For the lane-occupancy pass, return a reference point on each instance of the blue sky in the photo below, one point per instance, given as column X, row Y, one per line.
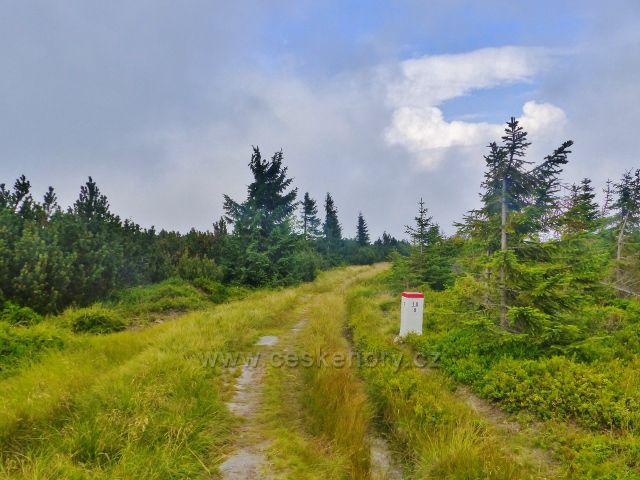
column 378, row 102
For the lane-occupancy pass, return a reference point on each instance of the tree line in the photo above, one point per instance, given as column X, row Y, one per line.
column 52, row 257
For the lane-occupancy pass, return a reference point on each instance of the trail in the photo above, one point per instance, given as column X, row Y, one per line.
column 383, row 464
column 521, row 437
column 256, row 452
column 248, row 459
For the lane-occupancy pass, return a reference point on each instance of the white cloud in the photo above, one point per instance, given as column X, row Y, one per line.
column 542, row 118
column 425, row 133
column 418, row 124
column 431, row 80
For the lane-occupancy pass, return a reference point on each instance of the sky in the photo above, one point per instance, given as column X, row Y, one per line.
column 380, row 103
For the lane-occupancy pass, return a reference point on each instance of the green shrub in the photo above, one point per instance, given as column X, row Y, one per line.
column 304, row 266
column 627, row 340
column 26, row 344
column 96, row 319
column 171, row 295
column 17, row 315
column 190, row 268
column 216, row 291
column 561, row 388
column 470, row 350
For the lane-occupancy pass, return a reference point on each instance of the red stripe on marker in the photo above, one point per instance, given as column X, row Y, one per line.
column 412, row 295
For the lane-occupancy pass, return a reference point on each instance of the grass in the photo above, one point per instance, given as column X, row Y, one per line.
column 318, row 417
column 333, row 397
column 581, row 391
column 140, row 403
column 439, row 435
column 133, row 404
column 26, row 337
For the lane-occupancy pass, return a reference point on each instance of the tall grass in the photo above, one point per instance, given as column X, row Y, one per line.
column 318, row 417
column 134, row 404
column 440, row 436
column 334, row 398
column 26, row 339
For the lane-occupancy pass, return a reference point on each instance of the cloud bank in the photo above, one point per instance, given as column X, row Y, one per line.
column 380, row 103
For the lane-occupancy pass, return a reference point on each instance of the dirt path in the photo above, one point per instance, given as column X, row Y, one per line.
column 253, row 455
column 521, row 437
column 248, row 460
column 383, row 465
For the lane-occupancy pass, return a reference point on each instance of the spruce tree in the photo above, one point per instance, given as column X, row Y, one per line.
column 514, row 184
column 518, row 201
column 50, row 203
column 422, row 232
column 261, row 249
column 582, row 211
column 309, row 218
column 362, row 231
column 542, row 211
column 430, row 257
column 268, row 204
column 331, row 227
column 608, row 200
column 627, row 206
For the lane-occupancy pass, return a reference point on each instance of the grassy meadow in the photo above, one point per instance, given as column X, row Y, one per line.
column 120, row 389
column 574, row 404
column 437, row 434
column 135, row 403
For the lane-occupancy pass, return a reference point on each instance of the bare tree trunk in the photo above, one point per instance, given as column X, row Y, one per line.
column 487, row 280
column 619, row 249
column 503, row 248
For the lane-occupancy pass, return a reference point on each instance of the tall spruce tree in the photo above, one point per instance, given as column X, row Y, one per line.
column 543, row 209
column 309, row 218
column 262, row 244
column 512, row 187
column 362, row 231
column 268, row 204
column 50, row 203
column 607, row 203
column 331, row 227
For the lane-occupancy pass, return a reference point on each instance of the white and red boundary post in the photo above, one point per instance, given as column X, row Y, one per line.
column 411, row 309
